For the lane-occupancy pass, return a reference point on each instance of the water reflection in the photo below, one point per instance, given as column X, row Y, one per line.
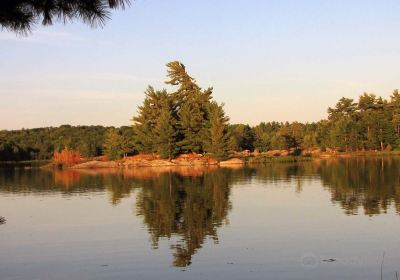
column 191, row 208
column 372, row 184
column 188, row 205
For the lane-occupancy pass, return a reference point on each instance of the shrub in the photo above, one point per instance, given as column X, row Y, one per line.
column 66, row 157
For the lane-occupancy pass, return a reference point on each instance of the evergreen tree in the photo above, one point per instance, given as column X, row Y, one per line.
column 279, row 142
column 192, row 126
column 176, row 72
column 217, row 138
column 114, row 145
column 21, row 15
column 344, row 107
column 177, row 122
column 145, row 121
column 191, row 102
column 394, row 106
column 343, row 134
column 241, row 137
column 165, row 134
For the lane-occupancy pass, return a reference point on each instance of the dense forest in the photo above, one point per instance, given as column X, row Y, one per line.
column 188, row 120
column 40, row 143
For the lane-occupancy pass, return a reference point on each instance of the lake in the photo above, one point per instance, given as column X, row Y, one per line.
column 326, row 219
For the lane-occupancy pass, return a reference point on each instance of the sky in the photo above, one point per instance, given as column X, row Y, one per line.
column 275, row 60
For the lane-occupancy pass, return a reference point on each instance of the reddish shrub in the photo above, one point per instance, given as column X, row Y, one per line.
column 66, row 157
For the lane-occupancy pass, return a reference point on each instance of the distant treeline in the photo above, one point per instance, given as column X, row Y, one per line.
column 371, row 123
column 40, row 143
column 189, row 120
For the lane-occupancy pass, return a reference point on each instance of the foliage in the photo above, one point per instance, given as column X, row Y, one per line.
column 184, row 121
column 242, row 137
column 20, row 15
column 40, row 143
column 165, row 134
column 163, row 206
column 188, row 120
column 216, row 141
column 66, row 157
column 116, row 145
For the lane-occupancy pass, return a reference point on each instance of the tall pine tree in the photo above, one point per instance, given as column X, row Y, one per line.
column 181, row 122
column 216, row 141
column 145, row 121
column 192, row 103
column 165, row 134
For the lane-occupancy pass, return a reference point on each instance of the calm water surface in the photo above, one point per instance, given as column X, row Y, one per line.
column 317, row 220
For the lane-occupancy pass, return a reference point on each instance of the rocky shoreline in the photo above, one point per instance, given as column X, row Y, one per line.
column 95, row 164
column 154, row 163
column 237, row 159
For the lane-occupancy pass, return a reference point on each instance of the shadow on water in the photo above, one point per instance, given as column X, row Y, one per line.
column 188, row 205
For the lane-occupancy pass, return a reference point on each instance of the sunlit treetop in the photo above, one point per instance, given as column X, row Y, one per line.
column 20, row 16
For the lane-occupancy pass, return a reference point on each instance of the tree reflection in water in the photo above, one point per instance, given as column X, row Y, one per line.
column 372, row 184
column 187, row 205
column 190, row 208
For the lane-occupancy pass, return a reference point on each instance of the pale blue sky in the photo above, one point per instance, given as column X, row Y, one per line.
column 267, row 60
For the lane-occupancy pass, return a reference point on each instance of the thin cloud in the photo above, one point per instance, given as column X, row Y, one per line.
column 57, row 38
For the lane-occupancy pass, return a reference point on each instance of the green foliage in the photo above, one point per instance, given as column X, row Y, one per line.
column 21, row 15
column 116, row 145
column 165, row 134
column 145, row 120
column 280, row 142
column 369, row 124
column 372, row 123
column 241, row 137
column 40, row 143
column 216, row 141
column 184, row 121
column 192, row 108
column 187, row 120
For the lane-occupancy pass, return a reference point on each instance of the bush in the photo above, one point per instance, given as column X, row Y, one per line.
column 66, row 157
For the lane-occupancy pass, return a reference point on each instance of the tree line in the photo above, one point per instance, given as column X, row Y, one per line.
column 188, row 120
column 41, row 143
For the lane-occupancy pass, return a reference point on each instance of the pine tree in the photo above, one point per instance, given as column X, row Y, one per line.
column 191, row 127
column 165, row 134
column 113, row 145
column 21, row 15
column 216, row 142
column 180, row 121
column 242, row 137
column 145, row 121
column 394, row 106
column 191, row 102
column 176, row 71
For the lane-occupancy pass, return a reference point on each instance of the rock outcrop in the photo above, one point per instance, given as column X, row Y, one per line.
column 232, row 161
column 96, row 164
